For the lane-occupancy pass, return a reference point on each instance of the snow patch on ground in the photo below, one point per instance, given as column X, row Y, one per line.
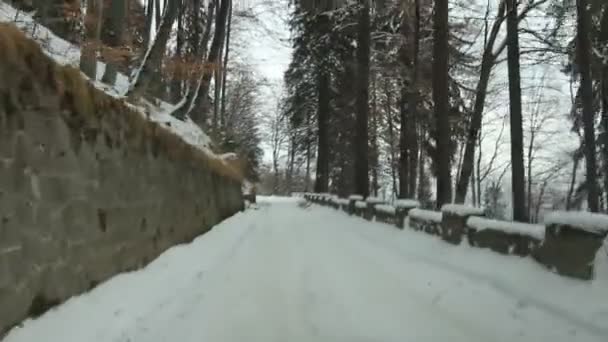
column 534, row 230
column 593, row 223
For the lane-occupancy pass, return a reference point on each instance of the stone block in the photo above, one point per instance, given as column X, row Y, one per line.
column 454, row 221
column 569, row 251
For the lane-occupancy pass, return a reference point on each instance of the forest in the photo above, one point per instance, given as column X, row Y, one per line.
column 501, row 104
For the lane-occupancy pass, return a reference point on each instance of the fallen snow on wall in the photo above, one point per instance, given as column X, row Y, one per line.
column 355, row 197
column 407, row 203
column 65, row 53
column 534, row 230
column 360, row 205
column 374, row 200
column 461, row 210
column 426, row 215
column 340, row 201
column 387, row 209
column 594, row 223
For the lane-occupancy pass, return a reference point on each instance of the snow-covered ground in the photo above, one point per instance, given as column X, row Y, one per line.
column 65, row 53
column 290, row 272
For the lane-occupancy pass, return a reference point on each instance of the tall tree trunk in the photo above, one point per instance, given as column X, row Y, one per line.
column 584, row 64
column 413, row 105
column 604, row 123
column 473, row 192
column 158, row 13
column 530, row 162
column 440, row 98
column 572, row 185
column 374, row 153
column 225, row 68
column 308, row 152
column 487, row 63
column 217, row 93
column 421, row 175
column 391, row 135
column 478, row 170
column 517, row 145
column 92, row 24
column 179, row 58
column 404, row 156
column 148, row 23
column 362, row 100
column 153, row 60
column 323, row 112
column 201, row 91
column 115, row 40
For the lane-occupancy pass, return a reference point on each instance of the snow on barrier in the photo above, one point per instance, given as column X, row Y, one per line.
column 572, row 241
column 504, row 237
column 567, row 244
column 453, row 223
column 385, row 213
column 427, row 221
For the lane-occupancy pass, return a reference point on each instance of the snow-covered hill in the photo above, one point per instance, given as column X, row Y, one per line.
column 65, row 53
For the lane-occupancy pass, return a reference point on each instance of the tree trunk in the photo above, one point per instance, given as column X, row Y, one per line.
column 374, row 153
column 158, row 13
column 322, row 178
column 148, row 24
column 572, row 185
column 179, row 58
column 404, row 157
column 152, row 62
column 201, row 90
column 391, row 135
column 517, row 155
column 440, row 98
column 115, row 40
column 217, row 93
column 225, row 68
column 473, row 192
column 604, row 123
column 413, row 105
column 362, row 100
column 487, row 63
column 308, row 152
column 90, row 47
column 584, row 64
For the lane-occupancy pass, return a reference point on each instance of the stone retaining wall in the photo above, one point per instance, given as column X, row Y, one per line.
column 88, row 187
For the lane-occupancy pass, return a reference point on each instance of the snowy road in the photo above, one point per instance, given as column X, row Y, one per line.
column 287, row 273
